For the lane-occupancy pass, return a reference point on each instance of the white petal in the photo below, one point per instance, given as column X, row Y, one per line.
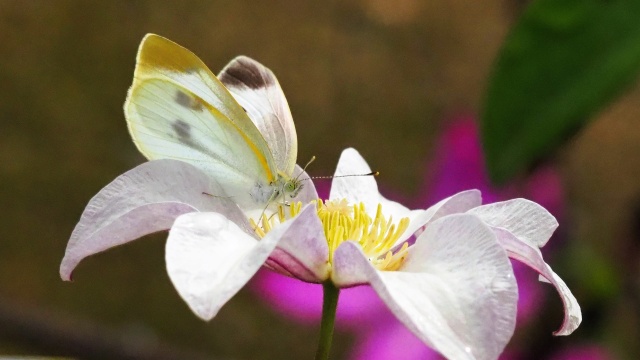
column 142, row 201
column 395, row 209
column 456, row 292
column 531, row 256
column 354, row 189
column 209, row 259
column 302, row 250
column 455, row 204
column 525, row 219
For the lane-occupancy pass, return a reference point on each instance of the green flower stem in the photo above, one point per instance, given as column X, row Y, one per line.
column 329, row 306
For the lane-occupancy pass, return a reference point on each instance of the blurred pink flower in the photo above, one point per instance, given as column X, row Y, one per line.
column 571, row 352
column 391, row 342
column 458, row 165
column 583, row 352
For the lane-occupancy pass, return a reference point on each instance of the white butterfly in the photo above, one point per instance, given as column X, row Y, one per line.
column 237, row 128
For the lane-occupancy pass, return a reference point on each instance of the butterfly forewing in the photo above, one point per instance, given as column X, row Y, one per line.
column 257, row 90
column 191, row 133
column 177, row 109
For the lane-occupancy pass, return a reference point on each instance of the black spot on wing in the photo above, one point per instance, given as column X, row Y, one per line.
column 184, row 134
column 183, row 99
column 245, row 71
column 188, row 101
column 182, row 130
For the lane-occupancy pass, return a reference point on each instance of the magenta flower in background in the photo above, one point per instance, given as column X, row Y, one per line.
column 458, row 166
column 572, row 352
column 583, row 352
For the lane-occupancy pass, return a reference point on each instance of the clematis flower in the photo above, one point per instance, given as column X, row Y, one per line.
column 457, row 165
column 451, row 284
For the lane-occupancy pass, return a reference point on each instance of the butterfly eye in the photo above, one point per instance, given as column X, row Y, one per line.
column 291, row 186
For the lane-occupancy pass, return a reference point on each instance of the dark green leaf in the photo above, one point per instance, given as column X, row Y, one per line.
column 563, row 61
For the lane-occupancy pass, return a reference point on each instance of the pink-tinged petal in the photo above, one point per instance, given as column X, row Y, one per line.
column 354, row 189
column 308, row 192
column 525, row 219
column 302, row 301
column 391, row 341
column 142, row 201
column 209, row 259
column 531, row 256
column 455, row 204
column 302, row 252
column 456, row 290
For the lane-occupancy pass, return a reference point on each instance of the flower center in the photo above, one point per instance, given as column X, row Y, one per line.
column 344, row 222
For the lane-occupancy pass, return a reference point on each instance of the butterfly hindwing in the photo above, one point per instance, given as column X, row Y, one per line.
column 257, row 90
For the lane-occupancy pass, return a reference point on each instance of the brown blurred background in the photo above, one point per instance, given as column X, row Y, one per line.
column 381, row 76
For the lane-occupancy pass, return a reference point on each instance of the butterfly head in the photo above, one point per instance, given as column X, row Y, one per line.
column 292, row 187
column 288, row 187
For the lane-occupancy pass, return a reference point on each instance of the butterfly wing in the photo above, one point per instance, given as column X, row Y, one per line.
column 177, row 109
column 257, row 90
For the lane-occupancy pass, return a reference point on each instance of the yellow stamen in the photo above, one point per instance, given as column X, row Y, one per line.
column 258, row 229
column 343, row 222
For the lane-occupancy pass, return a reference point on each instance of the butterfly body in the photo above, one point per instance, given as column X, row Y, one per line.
column 238, row 128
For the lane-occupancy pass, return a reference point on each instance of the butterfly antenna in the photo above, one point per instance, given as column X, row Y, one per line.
column 313, row 158
column 373, row 173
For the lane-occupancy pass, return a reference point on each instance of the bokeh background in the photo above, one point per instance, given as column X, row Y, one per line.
column 385, row 77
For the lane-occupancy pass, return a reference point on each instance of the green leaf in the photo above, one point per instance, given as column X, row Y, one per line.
column 563, row 61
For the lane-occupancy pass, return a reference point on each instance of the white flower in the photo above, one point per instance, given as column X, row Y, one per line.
column 451, row 283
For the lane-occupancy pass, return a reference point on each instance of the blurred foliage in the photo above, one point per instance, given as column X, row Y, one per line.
column 376, row 75
column 562, row 61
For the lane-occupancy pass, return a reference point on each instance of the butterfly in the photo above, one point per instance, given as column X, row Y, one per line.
column 236, row 127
